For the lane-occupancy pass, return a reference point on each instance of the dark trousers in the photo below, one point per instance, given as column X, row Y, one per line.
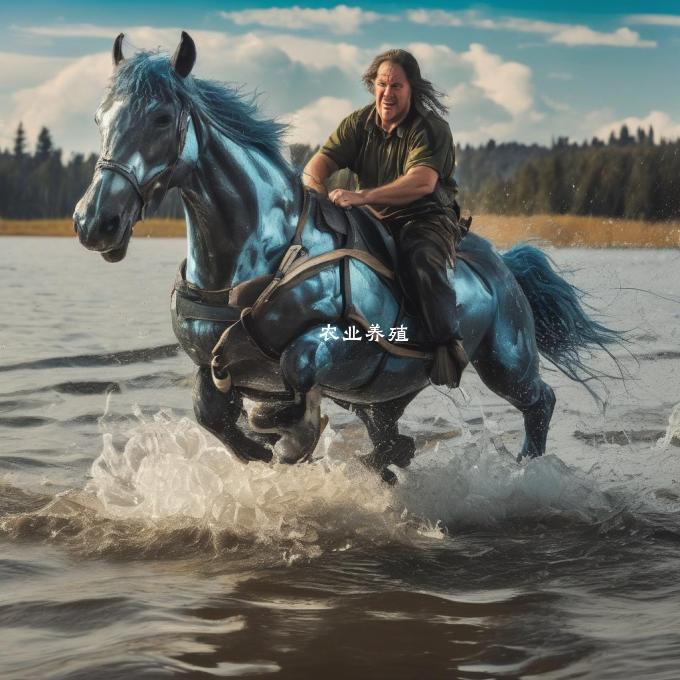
column 426, row 248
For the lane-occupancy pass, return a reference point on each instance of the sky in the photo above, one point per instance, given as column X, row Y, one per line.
column 523, row 71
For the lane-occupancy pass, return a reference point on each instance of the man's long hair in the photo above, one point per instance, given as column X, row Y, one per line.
column 422, row 90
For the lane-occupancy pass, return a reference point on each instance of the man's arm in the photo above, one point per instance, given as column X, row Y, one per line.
column 416, row 183
column 317, row 171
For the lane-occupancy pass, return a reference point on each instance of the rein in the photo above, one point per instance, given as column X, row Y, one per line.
column 146, row 190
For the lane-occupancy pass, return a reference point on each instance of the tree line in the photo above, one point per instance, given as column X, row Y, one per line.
column 629, row 175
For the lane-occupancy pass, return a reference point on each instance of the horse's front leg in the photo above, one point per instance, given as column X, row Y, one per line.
column 218, row 413
column 304, row 366
column 299, row 428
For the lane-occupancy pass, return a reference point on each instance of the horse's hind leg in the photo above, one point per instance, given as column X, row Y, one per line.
column 218, row 412
column 536, row 423
column 382, row 422
column 508, row 365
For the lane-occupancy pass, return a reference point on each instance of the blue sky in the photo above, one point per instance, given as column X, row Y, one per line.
column 525, row 71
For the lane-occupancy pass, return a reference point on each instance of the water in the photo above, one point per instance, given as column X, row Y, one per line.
column 133, row 545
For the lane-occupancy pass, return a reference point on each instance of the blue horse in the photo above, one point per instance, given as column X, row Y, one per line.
column 277, row 279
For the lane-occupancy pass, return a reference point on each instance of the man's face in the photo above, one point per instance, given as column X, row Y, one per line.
column 392, row 94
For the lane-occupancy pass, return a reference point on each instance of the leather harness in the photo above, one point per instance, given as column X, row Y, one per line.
column 226, row 306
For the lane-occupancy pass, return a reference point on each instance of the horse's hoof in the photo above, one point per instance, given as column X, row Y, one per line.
column 531, row 456
column 388, row 477
column 298, row 446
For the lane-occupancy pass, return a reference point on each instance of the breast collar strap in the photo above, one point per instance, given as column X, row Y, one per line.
column 146, row 190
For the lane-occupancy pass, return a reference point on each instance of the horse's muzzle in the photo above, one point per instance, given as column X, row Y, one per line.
column 106, row 235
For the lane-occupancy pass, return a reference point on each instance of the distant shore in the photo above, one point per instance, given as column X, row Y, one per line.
column 503, row 230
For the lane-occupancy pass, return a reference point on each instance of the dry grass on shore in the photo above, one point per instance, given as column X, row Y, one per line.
column 64, row 227
column 575, row 230
column 503, row 230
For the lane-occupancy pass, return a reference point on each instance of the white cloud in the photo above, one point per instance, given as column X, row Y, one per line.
column 65, row 103
column 582, row 35
column 434, row 17
column 26, row 69
column 216, row 46
column 316, row 80
column 313, row 123
column 319, row 54
column 340, row 19
column 288, row 70
column 507, row 84
column 555, row 105
column 69, row 31
column 439, row 17
column 654, row 19
column 662, row 123
column 559, row 33
column 441, row 65
column 523, row 25
column 435, row 58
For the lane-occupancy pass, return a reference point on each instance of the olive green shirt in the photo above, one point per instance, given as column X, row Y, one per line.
column 378, row 158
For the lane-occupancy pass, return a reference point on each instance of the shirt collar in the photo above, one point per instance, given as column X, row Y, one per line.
column 372, row 120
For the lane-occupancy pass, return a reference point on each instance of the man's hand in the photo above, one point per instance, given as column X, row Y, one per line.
column 346, row 199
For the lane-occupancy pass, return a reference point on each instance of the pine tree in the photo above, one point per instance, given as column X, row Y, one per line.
column 44, row 148
column 650, row 135
column 20, row 142
column 624, row 136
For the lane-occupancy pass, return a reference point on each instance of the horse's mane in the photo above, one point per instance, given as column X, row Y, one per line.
column 150, row 75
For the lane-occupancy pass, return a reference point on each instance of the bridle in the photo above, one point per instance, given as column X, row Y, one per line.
column 146, row 189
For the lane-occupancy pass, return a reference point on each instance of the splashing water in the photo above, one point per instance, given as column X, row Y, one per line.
column 173, row 489
column 171, row 468
column 673, row 429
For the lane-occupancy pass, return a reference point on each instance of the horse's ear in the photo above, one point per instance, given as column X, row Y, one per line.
column 185, row 56
column 118, row 49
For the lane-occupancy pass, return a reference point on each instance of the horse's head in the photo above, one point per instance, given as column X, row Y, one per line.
column 148, row 144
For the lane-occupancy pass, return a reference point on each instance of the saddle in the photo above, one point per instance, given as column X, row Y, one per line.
column 357, row 229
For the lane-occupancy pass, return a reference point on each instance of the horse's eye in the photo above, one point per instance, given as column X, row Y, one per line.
column 163, row 120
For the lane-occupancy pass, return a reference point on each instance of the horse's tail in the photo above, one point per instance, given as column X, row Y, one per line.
column 565, row 334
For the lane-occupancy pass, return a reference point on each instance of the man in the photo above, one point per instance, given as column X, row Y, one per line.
column 402, row 151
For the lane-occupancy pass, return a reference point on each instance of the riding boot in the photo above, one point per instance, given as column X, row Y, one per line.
column 426, row 253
